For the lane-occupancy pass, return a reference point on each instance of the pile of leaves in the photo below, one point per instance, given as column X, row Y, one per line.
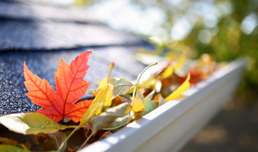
column 64, row 123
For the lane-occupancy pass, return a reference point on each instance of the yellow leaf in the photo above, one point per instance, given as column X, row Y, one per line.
column 148, row 83
column 103, row 98
column 181, row 61
column 103, row 83
column 157, row 99
column 108, row 95
column 168, row 72
column 178, row 92
column 170, row 69
column 138, row 106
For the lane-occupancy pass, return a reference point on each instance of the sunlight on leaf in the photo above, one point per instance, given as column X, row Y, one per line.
column 108, row 95
column 102, row 83
column 150, row 82
column 30, row 123
column 178, row 92
column 155, row 40
column 121, row 86
column 70, row 87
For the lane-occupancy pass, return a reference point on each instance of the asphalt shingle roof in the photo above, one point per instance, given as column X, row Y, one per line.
column 40, row 33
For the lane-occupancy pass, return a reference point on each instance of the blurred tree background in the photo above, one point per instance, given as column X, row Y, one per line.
column 226, row 29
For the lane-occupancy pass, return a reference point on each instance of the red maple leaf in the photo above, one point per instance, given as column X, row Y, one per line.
column 70, row 88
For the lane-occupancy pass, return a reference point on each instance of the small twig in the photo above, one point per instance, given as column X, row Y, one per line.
column 135, row 88
column 85, row 141
column 138, row 79
column 111, row 66
column 62, row 145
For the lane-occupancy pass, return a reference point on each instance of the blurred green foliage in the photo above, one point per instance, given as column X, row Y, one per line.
column 226, row 29
column 230, row 37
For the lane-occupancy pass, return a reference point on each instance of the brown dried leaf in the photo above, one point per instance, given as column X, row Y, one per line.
column 117, row 100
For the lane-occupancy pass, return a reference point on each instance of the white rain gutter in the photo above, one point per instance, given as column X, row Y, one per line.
column 172, row 125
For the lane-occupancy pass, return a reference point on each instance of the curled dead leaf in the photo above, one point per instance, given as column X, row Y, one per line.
column 104, row 119
column 116, row 101
column 121, row 86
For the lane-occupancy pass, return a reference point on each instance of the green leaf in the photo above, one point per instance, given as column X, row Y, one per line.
column 9, row 148
column 149, row 105
column 121, row 86
column 30, row 123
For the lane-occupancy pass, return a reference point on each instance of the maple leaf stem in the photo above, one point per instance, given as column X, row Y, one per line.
column 138, row 79
column 111, row 66
column 68, row 94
